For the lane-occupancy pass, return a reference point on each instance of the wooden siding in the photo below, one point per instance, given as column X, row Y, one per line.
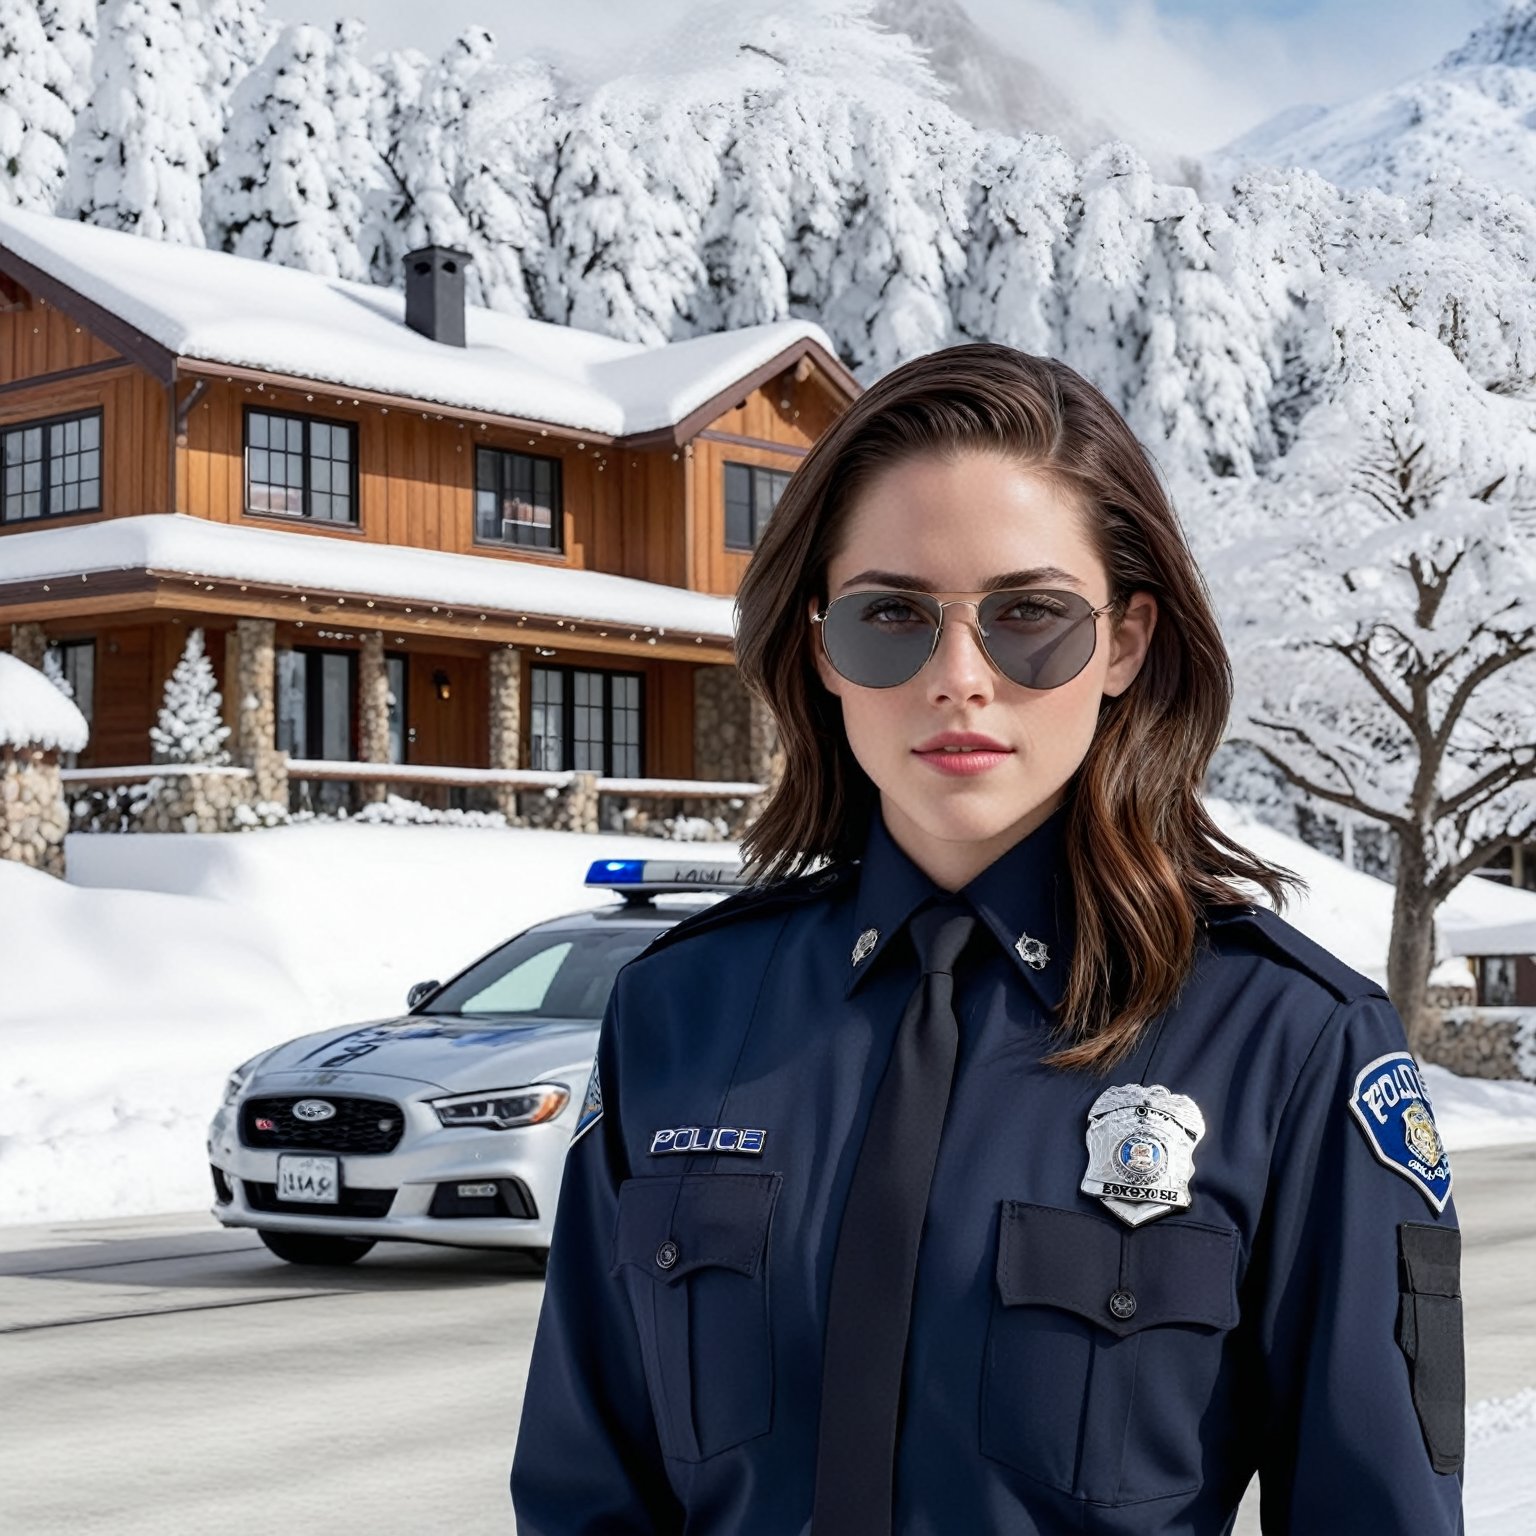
column 771, row 419
column 39, row 339
column 38, row 343
column 656, row 514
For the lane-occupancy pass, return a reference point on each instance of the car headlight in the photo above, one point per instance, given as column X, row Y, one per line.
column 504, row 1108
column 237, row 1079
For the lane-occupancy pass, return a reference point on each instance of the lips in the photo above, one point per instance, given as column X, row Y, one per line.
column 962, row 752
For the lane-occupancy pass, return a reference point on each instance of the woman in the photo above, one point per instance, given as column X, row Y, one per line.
column 1032, row 1180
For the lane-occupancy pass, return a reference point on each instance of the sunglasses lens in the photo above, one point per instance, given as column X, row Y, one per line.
column 1039, row 639
column 879, row 639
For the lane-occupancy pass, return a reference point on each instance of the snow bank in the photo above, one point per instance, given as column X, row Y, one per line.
column 194, row 546
column 1500, row 1478
column 256, row 314
column 129, row 994
column 1350, row 912
column 1479, row 1111
column 34, row 713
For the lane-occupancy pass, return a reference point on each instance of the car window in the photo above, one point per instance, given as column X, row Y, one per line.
column 545, row 975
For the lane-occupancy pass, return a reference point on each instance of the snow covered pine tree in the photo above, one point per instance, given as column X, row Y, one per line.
column 190, row 729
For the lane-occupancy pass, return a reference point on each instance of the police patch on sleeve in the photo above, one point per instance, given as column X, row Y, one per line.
column 591, row 1107
column 1394, row 1111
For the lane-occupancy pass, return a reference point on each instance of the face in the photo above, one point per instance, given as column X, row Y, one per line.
column 952, row 527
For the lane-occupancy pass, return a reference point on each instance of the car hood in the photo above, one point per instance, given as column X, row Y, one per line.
column 454, row 1054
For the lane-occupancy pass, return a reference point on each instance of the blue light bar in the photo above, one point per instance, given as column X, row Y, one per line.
column 605, row 872
column 639, row 877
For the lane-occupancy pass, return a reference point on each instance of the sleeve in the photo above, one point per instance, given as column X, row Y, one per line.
column 587, row 1456
column 1361, row 1322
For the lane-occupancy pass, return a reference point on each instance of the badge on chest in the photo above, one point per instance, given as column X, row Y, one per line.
column 1141, row 1150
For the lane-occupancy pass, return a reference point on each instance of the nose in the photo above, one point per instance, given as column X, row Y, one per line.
column 959, row 669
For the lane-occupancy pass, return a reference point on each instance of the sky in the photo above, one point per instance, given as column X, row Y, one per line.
column 1178, row 76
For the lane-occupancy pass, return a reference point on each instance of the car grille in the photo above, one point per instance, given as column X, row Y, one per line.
column 352, row 1202
column 355, row 1127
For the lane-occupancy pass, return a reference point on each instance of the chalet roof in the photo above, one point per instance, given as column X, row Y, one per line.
column 186, row 303
column 193, row 546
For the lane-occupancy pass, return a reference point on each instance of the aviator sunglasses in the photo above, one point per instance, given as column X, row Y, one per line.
column 1038, row 638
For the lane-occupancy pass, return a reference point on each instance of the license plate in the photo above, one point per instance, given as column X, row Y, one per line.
column 313, row 1179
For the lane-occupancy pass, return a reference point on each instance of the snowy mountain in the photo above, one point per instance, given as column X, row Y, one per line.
column 1474, row 110
column 989, row 86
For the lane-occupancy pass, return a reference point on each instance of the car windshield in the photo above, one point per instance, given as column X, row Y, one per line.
column 544, row 975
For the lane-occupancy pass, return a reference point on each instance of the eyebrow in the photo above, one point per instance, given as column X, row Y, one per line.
column 910, row 583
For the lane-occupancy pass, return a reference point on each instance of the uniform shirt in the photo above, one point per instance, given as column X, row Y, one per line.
column 1301, row 1318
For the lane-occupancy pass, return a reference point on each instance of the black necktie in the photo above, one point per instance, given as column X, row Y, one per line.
column 870, row 1307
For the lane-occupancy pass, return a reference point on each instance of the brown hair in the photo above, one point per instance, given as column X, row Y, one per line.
column 1143, row 854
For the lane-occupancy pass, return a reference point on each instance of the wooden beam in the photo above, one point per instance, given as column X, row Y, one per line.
column 148, row 353
column 42, row 381
column 175, row 592
column 738, row 441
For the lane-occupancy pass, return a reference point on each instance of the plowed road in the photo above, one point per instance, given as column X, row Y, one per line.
column 162, row 1376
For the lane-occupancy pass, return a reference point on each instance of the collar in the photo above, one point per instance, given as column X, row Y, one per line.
column 1024, row 894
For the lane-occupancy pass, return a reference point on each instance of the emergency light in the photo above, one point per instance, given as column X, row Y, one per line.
column 640, row 879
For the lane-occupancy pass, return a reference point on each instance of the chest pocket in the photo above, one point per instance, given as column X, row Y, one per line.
column 692, row 1252
column 1104, row 1349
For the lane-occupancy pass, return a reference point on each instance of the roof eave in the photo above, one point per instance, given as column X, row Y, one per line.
column 153, row 356
column 717, row 405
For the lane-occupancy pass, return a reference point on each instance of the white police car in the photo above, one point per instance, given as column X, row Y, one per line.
column 450, row 1123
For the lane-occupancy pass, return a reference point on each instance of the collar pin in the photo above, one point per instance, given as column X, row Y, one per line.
column 1032, row 951
column 864, row 945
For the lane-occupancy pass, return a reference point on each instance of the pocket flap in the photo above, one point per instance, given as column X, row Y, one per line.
column 669, row 1226
column 1162, row 1272
column 1431, row 1259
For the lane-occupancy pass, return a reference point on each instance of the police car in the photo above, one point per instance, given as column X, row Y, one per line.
column 450, row 1123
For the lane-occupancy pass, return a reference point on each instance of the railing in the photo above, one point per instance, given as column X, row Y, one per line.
column 190, row 796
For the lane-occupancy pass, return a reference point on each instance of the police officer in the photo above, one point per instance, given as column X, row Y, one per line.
column 996, row 1163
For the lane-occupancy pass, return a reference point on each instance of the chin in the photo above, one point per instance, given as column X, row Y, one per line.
column 967, row 817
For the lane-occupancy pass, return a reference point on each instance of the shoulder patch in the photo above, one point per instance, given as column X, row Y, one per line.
column 591, row 1107
column 1258, row 928
column 756, row 898
column 1394, row 1111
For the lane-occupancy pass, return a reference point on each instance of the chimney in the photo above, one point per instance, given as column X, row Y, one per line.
column 434, row 293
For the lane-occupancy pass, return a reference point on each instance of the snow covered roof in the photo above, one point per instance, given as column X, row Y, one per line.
column 194, row 546
column 1487, row 917
column 209, row 306
column 34, row 713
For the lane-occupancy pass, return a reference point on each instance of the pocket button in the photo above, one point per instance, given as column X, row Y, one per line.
column 666, row 1255
column 1123, row 1305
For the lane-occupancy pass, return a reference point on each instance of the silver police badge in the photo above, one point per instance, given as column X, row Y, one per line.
column 1141, row 1150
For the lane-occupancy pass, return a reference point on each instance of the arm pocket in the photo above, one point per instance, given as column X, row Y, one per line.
column 692, row 1252
column 1104, row 1350
column 1429, row 1333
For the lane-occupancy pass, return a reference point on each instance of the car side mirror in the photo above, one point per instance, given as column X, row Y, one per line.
column 421, row 991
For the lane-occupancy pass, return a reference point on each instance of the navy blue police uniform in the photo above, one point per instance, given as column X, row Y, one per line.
column 1069, row 1367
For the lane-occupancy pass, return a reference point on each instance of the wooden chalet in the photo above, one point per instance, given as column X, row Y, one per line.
column 413, row 532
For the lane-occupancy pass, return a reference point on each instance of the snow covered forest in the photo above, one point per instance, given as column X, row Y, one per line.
column 1338, row 382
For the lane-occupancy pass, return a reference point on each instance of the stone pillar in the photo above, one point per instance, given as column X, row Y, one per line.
column 373, row 709
column 33, row 819
column 506, row 721
column 721, row 725
column 255, row 679
column 28, row 643
column 765, row 752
